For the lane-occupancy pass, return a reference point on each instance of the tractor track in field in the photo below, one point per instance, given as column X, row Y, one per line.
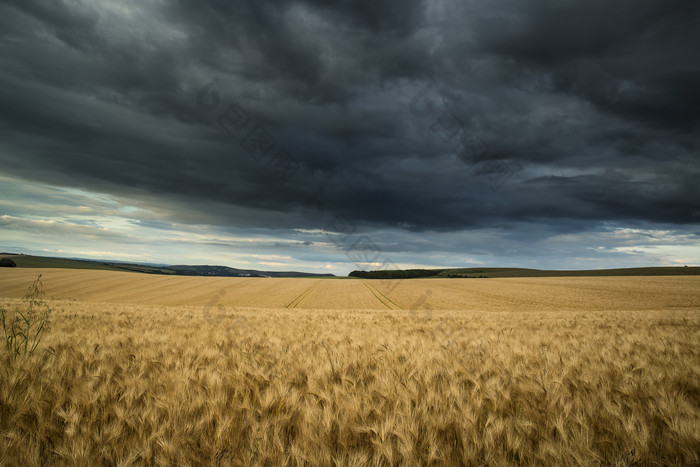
column 378, row 295
column 294, row 303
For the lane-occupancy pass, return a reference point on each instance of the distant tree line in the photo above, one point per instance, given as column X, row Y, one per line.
column 417, row 273
column 396, row 273
column 7, row 263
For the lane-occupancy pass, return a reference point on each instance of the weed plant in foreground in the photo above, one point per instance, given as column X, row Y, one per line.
column 152, row 385
column 25, row 324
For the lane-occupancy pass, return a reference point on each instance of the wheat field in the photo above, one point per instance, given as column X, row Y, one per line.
column 156, row 370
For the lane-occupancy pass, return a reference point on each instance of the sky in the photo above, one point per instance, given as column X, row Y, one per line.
column 371, row 134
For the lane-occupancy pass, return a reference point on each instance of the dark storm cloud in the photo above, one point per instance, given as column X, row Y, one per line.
column 631, row 58
column 593, row 106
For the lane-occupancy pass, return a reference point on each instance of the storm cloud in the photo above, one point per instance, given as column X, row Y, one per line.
column 411, row 121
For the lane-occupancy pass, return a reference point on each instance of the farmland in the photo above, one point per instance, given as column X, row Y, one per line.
column 162, row 370
column 497, row 294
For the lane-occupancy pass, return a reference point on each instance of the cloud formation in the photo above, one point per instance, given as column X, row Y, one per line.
column 414, row 118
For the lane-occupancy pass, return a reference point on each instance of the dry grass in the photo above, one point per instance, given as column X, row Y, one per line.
column 162, row 385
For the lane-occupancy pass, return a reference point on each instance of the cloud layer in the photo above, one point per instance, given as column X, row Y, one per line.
column 408, row 119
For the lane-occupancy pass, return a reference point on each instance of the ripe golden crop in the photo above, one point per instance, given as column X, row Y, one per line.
column 483, row 372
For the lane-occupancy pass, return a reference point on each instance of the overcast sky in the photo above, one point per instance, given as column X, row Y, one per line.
column 328, row 136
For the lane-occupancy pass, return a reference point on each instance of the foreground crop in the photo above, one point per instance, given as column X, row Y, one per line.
column 158, row 385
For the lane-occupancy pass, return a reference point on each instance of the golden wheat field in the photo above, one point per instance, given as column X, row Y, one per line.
column 155, row 370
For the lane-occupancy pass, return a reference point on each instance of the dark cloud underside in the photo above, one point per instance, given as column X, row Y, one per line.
column 584, row 112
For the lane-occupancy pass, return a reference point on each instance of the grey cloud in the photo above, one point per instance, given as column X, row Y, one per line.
column 592, row 105
column 58, row 228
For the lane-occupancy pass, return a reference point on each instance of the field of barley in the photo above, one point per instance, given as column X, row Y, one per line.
column 159, row 370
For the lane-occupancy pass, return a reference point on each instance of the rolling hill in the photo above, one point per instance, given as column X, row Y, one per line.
column 30, row 261
column 523, row 272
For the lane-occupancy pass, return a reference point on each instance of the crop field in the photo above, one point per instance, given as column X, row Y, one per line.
column 143, row 369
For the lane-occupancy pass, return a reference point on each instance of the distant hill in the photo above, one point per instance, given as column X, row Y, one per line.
column 29, row 261
column 232, row 272
column 522, row 272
